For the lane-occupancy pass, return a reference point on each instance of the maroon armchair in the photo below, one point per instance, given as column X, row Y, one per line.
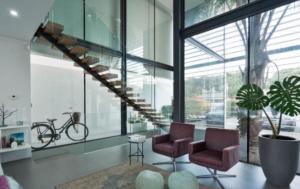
column 174, row 144
column 219, row 151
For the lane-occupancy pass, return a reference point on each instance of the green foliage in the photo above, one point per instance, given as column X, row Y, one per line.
column 196, row 106
column 234, row 81
column 251, row 97
column 167, row 111
column 136, row 119
column 285, row 96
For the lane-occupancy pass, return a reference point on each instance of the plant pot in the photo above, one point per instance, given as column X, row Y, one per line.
column 279, row 159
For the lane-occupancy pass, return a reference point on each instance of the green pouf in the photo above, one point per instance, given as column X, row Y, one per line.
column 183, row 179
column 149, row 180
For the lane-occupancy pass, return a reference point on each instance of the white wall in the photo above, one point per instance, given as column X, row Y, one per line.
column 15, row 78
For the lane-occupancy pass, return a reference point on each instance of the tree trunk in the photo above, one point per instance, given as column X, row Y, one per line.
column 259, row 60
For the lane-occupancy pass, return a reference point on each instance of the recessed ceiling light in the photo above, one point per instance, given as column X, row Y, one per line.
column 13, row 13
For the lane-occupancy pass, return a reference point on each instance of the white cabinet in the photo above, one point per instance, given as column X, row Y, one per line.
column 21, row 151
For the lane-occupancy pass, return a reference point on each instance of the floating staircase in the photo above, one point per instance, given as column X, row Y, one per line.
column 53, row 33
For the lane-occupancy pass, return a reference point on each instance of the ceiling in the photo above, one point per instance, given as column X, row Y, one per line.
column 31, row 14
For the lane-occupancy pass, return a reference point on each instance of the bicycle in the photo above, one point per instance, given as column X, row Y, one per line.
column 46, row 132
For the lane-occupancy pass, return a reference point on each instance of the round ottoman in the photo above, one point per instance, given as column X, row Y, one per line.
column 183, row 179
column 149, row 180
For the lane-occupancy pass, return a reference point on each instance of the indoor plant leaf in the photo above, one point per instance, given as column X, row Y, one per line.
column 251, row 97
column 285, row 97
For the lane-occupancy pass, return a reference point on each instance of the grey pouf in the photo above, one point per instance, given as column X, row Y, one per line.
column 183, row 179
column 149, row 180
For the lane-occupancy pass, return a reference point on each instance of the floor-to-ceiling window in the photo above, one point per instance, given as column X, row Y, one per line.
column 103, row 22
column 274, row 55
column 197, row 11
column 213, row 64
column 260, row 49
column 149, row 66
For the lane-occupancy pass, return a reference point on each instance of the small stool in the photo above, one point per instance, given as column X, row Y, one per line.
column 139, row 140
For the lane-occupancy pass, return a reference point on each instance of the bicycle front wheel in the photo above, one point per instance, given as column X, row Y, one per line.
column 41, row 136
column 77, row 132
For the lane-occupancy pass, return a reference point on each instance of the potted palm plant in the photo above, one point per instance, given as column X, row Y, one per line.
column 278, row 154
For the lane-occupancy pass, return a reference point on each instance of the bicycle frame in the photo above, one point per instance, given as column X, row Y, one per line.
column 63, row 127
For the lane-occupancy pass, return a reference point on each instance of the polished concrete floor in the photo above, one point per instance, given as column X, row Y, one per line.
column 48, row 172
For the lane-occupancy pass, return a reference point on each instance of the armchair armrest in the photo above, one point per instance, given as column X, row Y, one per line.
column 231, row 155
column 181, row 145
column 160, row 139
column 197, row 147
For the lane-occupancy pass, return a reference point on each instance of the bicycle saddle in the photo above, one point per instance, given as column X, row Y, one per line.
column 51, row 120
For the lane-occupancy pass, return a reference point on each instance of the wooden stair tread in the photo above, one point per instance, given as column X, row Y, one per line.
column 149, row 110
column 89, row 60
column 100, row 68
column 133, row 95
column 78, row 50
column 108, row 76
column 53, row 28
column 116, row 83
column 118, row 91
column 144, row 105
column 138, row 100
column 67, row 40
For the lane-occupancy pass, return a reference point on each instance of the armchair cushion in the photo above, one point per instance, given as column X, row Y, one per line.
column 172, row 149
column 207, row 158
column 220, row 151
column 166, row 148
column 176, row 143
column 218, row 139
column 181, row 130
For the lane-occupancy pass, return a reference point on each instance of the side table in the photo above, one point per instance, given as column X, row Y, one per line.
column 139, row 140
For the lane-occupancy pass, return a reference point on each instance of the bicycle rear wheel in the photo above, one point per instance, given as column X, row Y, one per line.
column 77, row 132
column 41, row 135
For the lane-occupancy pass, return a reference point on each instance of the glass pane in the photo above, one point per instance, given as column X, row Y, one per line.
column 213, row 61
column 204, row 74
column 140, row 78
column 103, row 114
column 235, row 45
column 70, row 14
column 140, row 28
column 197, row 11
column 274, row 55
column 102, row 22
column 164, row 94
column 164, row 31
column 56, row 87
